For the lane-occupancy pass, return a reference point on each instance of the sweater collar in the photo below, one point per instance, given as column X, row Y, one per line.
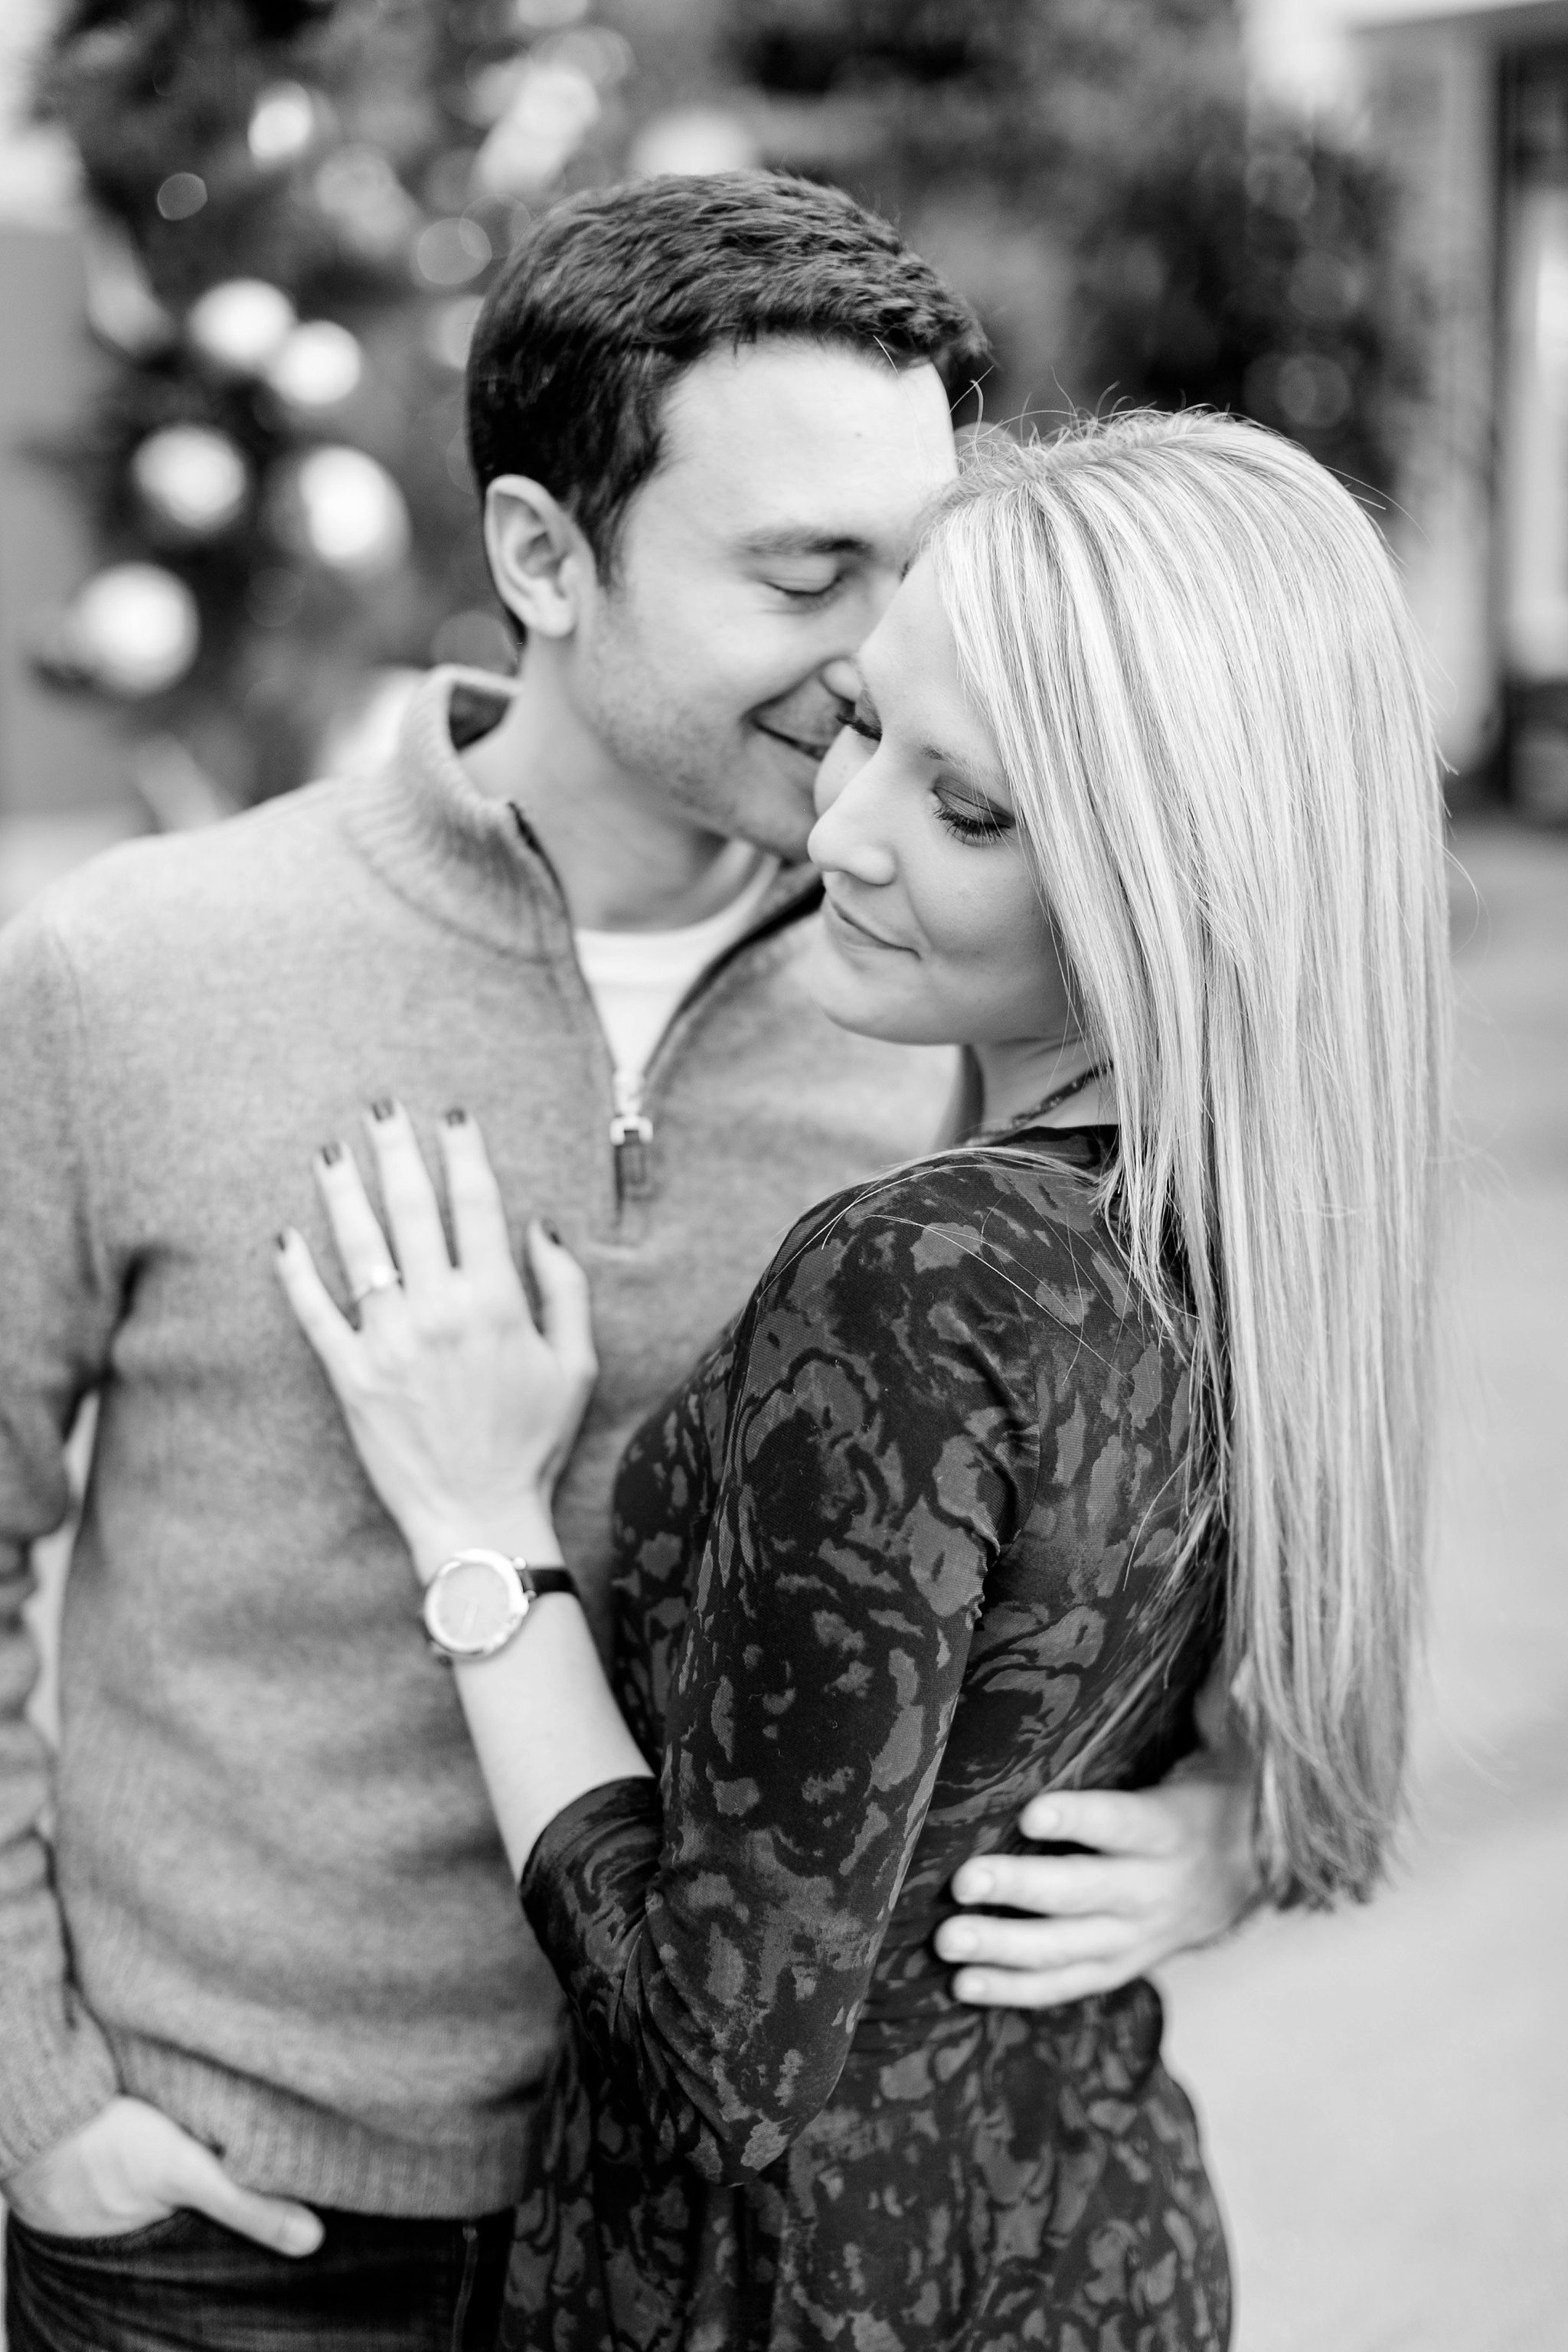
column 467, row 858
column 445, row 846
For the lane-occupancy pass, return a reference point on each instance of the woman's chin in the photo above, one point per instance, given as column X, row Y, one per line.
column 839, row 989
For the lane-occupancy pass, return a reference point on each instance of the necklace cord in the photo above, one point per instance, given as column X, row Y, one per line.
column 1036, row 1111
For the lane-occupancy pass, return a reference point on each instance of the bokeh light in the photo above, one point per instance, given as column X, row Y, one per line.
column 134, row 630
column 241, row 325
column 283, row 122
column 318, row 365
column 192, row 478
column 181, row 195
column 340, row 506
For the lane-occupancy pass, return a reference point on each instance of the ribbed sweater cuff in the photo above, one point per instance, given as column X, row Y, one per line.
column 55, row 2075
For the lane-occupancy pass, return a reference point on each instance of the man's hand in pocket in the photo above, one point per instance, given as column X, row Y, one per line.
column 130, row 2165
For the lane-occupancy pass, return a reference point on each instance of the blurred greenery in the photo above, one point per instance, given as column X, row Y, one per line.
column 1093, row 174
column 1091, row 171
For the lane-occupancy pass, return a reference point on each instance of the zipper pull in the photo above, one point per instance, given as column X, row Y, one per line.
column 631, row 1137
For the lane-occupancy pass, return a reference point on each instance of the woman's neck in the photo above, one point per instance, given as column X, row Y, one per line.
column 1016, row 1076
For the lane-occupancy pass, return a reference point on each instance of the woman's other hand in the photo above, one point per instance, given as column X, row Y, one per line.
column 461, row 1407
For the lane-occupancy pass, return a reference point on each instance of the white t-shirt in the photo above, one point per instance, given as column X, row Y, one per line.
column 637, row 977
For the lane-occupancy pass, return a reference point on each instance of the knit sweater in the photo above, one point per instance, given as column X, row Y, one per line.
column 273, row 1901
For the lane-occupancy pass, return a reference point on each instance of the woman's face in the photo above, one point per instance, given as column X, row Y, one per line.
column 933, row 932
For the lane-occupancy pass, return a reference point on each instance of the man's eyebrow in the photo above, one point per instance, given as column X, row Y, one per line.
column 792, row 540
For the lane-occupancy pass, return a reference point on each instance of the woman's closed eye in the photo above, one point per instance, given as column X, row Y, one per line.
column 863, row 720
column 972, row 820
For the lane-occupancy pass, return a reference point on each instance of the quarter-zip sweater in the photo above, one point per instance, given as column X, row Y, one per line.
column 275, row 1905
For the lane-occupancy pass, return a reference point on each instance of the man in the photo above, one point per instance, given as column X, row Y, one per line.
column 275, row 1999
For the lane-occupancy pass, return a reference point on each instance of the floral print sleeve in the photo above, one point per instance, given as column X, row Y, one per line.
column 878, row 1451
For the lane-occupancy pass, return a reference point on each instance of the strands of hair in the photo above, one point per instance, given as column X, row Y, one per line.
column 1207, row 691
column 613, row 295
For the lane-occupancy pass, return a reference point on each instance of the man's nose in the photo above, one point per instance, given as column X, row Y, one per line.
column 841, row 676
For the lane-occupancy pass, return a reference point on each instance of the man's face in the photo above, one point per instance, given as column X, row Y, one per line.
column 715, row 666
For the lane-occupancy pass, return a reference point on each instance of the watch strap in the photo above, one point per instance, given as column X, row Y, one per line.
column 537, row 1582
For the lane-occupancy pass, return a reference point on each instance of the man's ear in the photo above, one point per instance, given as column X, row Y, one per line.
column 540, row 560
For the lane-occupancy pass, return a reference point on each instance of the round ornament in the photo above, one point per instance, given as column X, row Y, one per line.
column 241, row 325
column 340, row 506
column 190, row 478
column 316, row 366
column 451, row 252
column 181, row 195
column 133, row 629
column 552, row 109
column 283, row 122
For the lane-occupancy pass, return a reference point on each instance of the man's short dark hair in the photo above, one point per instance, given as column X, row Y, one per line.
column 610, row 296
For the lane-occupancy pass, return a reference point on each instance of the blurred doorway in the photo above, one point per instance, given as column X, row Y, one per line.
column 1533, row 425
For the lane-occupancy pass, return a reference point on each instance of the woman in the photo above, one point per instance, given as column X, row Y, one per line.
column 1139, row 807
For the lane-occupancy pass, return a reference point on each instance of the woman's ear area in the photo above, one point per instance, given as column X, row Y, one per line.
column 539, row 562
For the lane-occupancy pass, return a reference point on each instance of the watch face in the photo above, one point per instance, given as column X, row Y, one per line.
column 473, row 1608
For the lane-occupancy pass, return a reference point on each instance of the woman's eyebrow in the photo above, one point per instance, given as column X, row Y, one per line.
column 940, row 756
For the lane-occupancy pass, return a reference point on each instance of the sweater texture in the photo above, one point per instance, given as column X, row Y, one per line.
column 271, row 1900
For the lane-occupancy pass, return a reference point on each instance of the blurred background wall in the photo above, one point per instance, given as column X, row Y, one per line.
column 1467, row 107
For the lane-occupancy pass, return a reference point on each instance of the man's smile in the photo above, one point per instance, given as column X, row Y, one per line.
column 814, row 749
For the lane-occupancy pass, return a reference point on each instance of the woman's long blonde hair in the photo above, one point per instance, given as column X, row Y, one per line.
column 1194, row 652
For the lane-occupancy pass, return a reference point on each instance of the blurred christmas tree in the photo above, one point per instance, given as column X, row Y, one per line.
column 297, row 208
column 299, row 205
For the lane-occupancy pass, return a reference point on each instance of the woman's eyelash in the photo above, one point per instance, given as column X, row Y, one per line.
column 991, row 828
column 972, row 828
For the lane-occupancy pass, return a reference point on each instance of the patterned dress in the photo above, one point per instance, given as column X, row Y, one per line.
column 905, row 1549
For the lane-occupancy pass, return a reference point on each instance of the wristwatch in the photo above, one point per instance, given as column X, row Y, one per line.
column 476, row 1602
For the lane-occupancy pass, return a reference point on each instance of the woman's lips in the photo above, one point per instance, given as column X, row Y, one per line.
column 858, row 930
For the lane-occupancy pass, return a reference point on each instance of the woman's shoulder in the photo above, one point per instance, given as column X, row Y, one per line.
column 1022, row 1227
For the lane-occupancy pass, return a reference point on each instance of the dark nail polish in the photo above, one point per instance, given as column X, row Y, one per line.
column 282, row 1240
column 382, row 1108
column 331, row 1154
column 456, row 1118
column 552, row 1232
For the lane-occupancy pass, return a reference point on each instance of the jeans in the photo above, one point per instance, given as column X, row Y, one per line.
column 376, row 2285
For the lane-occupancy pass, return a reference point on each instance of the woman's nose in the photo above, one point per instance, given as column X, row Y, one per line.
column 833, row 775
column 842, row 840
